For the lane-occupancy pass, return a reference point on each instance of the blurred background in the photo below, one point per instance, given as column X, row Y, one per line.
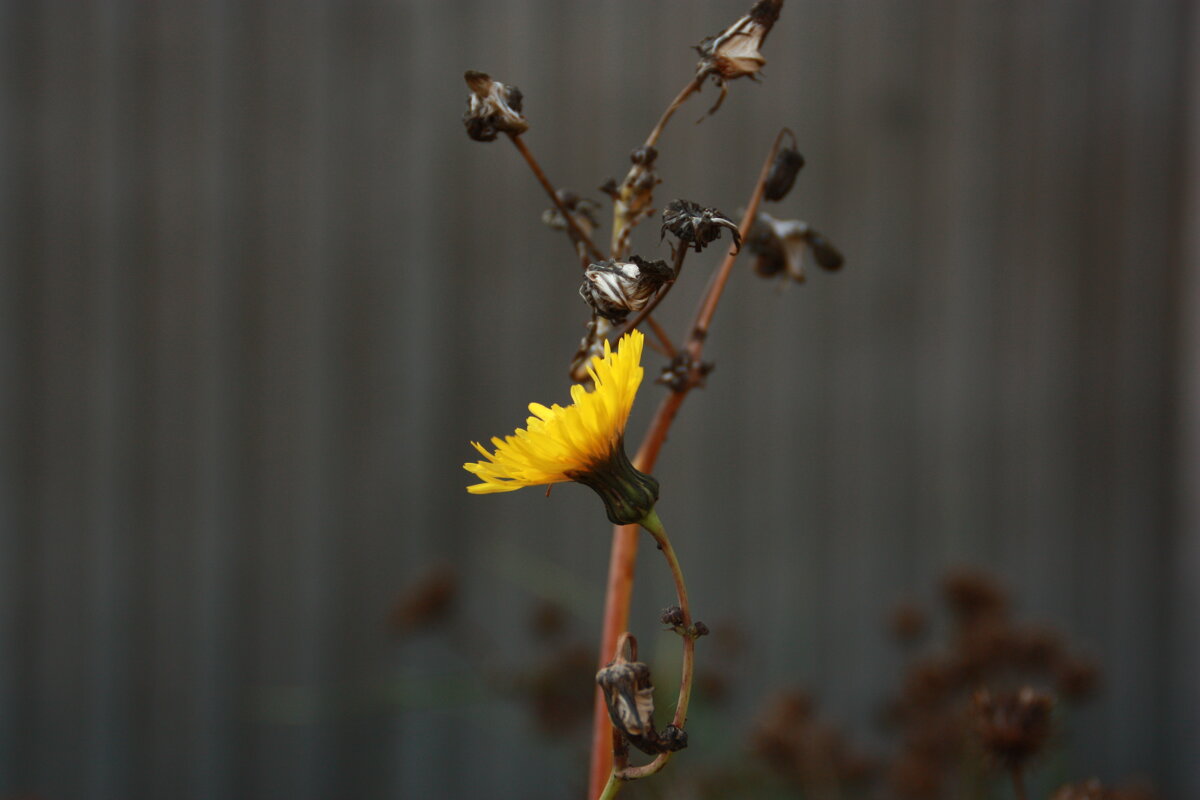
column 259, row 291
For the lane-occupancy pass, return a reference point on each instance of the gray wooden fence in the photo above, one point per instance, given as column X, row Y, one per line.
column 258, row 291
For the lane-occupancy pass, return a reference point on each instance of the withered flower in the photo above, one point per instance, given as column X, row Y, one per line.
column 697, row 226
column 779, row 247
column 974, row 597
column 1013, row 726
column 493, row 108
column 615, row 288
column 735, row 52
column 629, row 697
column 787, row 164
column 428, row 601
column 582, row 209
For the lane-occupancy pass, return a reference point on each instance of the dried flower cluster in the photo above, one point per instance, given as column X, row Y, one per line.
column 492, row 108
column 629, row 697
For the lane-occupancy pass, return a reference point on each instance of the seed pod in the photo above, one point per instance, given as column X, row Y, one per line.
column 629, row 698
column 784, row 168
column 824, row 252
column 492, row 108
column 615, row 288
column 697, row 226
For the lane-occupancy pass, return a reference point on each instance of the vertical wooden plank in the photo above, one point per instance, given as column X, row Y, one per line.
column 1146, row 282
column 18, row 282
column 219, row 709
column 1183, row 656
column 59, row 347
column 287, row 401
column 108, row 548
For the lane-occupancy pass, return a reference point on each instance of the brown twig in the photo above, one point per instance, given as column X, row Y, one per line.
column 623, row 557
column 577, row 234
column 627, row 214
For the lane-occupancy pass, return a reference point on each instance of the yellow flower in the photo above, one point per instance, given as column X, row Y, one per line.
column 583, row 442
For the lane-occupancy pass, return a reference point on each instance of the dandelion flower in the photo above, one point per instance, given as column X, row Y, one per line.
column 583, row 442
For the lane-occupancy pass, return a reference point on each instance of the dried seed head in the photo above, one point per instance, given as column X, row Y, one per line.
column 697, row 226
column 582, row 209
column 784, row 168
column 492, row 108
column 779, row 246
column 735, row 52
column 629, row 697
column 615, row 288
column 824, row 252
column 1013, row 726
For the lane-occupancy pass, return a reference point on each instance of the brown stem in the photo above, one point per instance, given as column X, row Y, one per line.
column 577, row 233
column 716, row 286
column 667, row 347
column 623, row 558
column 679, row 100
column 623, row 217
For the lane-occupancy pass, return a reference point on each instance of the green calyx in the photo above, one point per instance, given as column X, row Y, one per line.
column 628, row 495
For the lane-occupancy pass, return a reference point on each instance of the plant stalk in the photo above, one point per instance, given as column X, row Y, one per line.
column 623, row 556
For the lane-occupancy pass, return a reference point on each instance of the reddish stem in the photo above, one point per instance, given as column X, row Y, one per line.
column 623, row 558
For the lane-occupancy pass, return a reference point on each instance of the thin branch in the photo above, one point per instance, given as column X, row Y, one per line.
column 577, row 233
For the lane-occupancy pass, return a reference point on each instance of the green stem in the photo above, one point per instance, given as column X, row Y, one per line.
column 654, row 526
column 612, row 787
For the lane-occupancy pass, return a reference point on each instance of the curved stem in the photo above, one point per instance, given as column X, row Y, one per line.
column 654, row 525
column 687, row 91
column 612, row 787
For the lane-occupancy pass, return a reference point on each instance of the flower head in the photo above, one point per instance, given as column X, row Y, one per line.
column 697, row 226
column 780, row 245
column 493, row 108
column 583, row 442
column 735, row 52
column 615, row 288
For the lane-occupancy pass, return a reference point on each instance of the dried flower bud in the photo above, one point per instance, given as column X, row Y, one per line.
column 493, row 108
column 582, row 209
column 1012, row 726
column 784, row 168
column 697, row 226
column 629, row 697
column 673, row 616
column 735, row 52
column 824, row 252
column 644, row 155
column 615, row 288
column 779, row 246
